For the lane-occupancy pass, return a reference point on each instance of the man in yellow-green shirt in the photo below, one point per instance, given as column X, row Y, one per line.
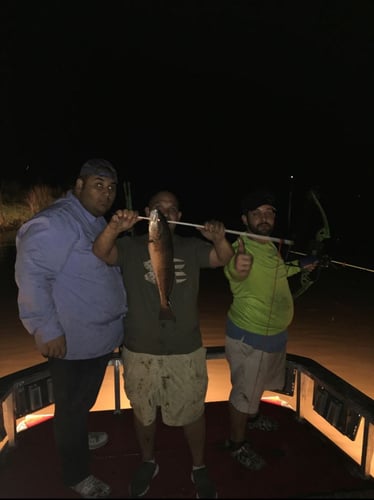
column 257, row 322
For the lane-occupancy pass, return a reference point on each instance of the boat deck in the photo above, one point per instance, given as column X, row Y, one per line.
column 301, row 462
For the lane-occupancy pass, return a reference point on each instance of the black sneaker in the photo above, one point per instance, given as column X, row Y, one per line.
column 263, row 423
column 142, row 479
column 248, row 457
column 204, row 486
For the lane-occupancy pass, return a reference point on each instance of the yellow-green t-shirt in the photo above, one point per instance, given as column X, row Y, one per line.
column 262, row 303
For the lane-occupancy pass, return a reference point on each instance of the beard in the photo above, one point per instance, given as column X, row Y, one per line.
column 263, row 229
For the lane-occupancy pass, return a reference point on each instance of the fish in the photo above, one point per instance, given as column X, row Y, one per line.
column 161, row 252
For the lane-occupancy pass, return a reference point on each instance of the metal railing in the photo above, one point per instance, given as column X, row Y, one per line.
column 341, row 412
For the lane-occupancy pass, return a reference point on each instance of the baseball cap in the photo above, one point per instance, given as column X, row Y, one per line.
column 256, row 199
column 100, row 167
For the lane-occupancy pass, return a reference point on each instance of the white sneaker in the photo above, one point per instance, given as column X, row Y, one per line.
column 97, row 440
column 91, row 487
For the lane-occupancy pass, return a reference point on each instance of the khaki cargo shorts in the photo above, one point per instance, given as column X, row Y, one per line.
column 177, row 384
column 252, row 372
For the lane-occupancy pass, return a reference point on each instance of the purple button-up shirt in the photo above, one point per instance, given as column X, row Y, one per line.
column 63, row 287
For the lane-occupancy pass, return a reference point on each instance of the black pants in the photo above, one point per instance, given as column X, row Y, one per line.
column 76, row 385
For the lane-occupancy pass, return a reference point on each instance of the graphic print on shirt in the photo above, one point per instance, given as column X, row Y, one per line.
column 180, row 275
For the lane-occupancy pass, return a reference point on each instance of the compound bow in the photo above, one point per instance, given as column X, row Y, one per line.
column 317, row 249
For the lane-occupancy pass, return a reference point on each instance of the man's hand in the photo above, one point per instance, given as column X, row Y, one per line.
column 55, row 348
column 222, row 251
column 243, row 261
column 309, row 262
column 213, row 230
column 123, row 220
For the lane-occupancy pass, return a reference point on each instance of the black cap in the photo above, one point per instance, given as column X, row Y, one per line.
column 100, row 167
column 256, row 199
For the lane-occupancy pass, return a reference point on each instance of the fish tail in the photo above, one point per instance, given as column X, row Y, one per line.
column 166, row 313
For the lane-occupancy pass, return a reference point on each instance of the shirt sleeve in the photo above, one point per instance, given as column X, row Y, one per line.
column 229, row 268
column 43, row 245
column 292, row 268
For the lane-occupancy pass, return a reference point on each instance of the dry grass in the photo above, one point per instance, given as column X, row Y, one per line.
column 18, row 205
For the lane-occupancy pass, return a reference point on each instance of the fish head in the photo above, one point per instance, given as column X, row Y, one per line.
column 153, row 215
column 158, row 224
column 156, row 215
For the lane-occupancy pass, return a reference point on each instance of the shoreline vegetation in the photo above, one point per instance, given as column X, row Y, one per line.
column 18, row 204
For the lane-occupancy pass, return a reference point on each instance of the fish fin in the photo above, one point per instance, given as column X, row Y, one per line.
column 166, row 313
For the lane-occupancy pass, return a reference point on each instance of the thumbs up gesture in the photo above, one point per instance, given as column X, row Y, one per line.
column 243, row 260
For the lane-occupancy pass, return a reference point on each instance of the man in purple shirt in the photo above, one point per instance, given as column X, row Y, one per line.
column 74, row 305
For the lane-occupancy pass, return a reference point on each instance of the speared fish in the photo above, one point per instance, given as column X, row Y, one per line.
column 160, row 247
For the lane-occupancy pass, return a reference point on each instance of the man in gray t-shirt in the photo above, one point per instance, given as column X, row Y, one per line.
column 164, row 359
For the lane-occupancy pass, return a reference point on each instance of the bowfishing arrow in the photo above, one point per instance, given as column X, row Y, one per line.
column 341, row 263
column 231, row 231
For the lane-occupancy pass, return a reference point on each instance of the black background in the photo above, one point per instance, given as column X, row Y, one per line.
column 209, row 99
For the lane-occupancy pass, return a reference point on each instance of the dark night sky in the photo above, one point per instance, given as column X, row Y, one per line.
column 207, row 98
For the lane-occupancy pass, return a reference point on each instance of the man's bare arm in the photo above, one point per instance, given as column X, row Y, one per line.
column 104, row 246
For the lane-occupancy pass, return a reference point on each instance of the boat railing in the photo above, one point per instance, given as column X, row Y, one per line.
column 337, row 409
